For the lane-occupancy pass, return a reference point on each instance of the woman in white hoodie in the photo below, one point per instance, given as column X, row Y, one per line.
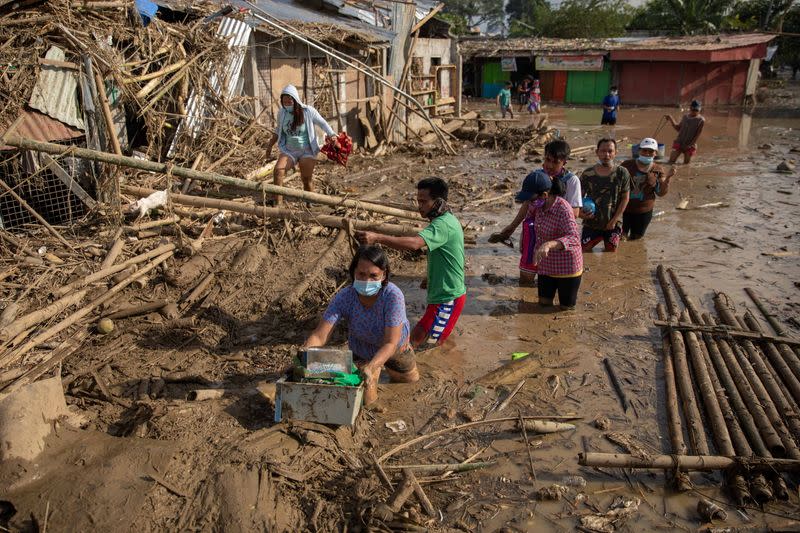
column 296, row 137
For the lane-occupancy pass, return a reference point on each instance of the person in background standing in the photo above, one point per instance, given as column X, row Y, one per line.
column 689, row 130
column 504, row 100
column 296, row 137
column 610, row 107
column 535, row 101
column 648, row 180
column 524, row 90
column 608, row 185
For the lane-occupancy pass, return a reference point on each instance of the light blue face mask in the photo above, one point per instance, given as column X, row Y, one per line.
column 646, row 160
column 367, row 288
column 289, row 108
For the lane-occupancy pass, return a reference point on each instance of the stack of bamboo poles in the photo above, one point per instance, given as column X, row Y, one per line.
column 733, row 389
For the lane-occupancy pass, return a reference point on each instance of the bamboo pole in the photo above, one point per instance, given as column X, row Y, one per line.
column 674, row 426
column 756, row 358
column 725, row 331
column 210, row 177
column 110, row 271
column 782, row 366
column 114, row 251
column 790, row 355
column 31, row 319
column 765, row 423
column 687, row 462
column 719, row 429
column 400, row 230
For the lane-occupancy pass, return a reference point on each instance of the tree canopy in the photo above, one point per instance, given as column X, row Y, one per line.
column 572, row 19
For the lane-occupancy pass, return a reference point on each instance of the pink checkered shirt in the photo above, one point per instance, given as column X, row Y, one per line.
column 558, row 224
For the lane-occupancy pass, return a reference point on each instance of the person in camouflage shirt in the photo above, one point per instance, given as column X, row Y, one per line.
column 608, row 185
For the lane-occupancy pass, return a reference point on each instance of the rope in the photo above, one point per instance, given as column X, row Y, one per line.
column 659, row 127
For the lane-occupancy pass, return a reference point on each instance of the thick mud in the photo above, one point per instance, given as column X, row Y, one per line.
column 206, row 465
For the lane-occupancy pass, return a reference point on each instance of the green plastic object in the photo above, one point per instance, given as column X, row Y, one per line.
column 347, row 380
column 519, row 355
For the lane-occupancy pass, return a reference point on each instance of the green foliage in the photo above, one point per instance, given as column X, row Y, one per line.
column 789, row 47
column 458, row 23
column 684, row 17
column 476, row 12
column 572, row 19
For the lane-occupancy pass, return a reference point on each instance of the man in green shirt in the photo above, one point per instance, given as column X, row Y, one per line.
column 444, row 240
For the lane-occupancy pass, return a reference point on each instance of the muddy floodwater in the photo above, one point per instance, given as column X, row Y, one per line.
column 223, row 465
column 735, row 165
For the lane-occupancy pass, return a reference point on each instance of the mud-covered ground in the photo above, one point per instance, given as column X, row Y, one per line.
column 222, row 464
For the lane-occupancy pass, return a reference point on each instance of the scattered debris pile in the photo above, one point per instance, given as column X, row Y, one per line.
column 529, row 140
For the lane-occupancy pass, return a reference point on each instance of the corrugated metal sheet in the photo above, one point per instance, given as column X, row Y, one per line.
column 680, row 83
column 40, row 127
column 290, row 11
column 237, row 34
column 56, row 91
column 525, row 46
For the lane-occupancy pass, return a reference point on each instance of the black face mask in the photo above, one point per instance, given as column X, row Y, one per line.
column 439, row 208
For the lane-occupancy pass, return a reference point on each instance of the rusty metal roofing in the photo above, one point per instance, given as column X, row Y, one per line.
column 56, row 91
column 40, row 127
column 499, row 47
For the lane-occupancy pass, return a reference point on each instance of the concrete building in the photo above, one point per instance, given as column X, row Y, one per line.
column 717, row 69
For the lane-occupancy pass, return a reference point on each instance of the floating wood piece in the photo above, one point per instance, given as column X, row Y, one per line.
column 442, row 468
column 69, row 181
column 510, row 396
column 687, row 462
column 726, row 241
column 113, row 252
column 623, row 398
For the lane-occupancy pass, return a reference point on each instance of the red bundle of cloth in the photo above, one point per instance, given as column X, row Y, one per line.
column 338, row 148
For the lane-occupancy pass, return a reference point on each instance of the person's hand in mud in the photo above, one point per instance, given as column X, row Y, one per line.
column 370, row 375
column 366, row 237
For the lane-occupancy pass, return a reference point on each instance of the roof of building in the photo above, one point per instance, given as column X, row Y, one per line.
column 39, row 127
column 498, row 47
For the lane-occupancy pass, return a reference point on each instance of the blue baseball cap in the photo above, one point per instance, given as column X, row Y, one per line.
column 534, row 184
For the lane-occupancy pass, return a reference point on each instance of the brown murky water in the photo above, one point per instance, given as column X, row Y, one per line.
column 614, row 317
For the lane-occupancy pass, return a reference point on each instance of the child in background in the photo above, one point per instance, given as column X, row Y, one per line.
column 504, row 100
column 535, row 100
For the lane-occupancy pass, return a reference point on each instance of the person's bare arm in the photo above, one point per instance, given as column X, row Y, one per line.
column 372, row 370
column 319, row 337
column 618, row 213
column 673, row 123
column 398, row 243
column 663, row 183
column 512, row 227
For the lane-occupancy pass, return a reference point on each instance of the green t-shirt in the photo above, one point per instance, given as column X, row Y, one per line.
column 505, row 97
column 445, row 241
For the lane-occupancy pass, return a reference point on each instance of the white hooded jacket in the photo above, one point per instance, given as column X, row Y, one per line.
column 312, row 119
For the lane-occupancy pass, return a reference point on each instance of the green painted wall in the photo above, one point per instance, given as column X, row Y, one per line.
column 588, row 87
column 494, row 78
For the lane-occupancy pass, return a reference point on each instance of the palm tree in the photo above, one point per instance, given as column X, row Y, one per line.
column 699, row 16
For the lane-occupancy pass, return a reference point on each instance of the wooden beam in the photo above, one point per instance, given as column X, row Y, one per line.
column 727, row 332
column 432, row 13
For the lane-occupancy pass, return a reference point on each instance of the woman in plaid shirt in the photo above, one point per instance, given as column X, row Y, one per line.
column 558, row 254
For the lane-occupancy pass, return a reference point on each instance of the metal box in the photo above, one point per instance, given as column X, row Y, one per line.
column 326, row 404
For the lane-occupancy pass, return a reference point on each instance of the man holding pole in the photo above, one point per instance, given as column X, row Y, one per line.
column 444, row 239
